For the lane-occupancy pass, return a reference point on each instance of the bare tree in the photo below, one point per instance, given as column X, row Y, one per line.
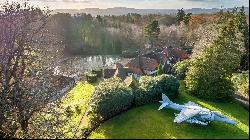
column 26, row 65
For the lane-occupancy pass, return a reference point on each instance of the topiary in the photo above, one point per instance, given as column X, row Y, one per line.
column 110, row 98
column 151, row 88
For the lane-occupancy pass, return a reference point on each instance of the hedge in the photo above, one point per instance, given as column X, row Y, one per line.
column 110, row 98
column 151, row 88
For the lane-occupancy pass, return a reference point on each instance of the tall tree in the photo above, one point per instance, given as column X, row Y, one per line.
column 243, row 28
column 180, row 15
column 208, row 74
column 152, row 31
column 26, row 65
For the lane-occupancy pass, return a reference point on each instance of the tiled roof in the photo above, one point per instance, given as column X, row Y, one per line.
column 136, row 70
column 179, row 53
column 175, row 52
column 147, row 64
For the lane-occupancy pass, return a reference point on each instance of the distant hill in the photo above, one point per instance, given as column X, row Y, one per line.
column 124, row 11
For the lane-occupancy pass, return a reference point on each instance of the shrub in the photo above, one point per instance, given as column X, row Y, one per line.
column 151, row 88
column 180, row 68
column 99, row 73
column 241, row 83
column 91, row 77
column 110, row 98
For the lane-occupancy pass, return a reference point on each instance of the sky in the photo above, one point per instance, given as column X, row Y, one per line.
column 138, row 4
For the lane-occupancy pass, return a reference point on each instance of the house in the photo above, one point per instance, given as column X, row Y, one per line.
column 173, row 56
column 175, row 53
column 148, row 65
column 122, row 72
column 179, row 54
column 118, row 70
column 158, row 56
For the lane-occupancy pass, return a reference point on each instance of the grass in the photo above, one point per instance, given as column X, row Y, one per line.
column 149, row 123
column 76, row 100
column 66, row 117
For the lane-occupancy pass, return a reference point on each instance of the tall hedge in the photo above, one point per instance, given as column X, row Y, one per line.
column 151, row 88
column 110, row 98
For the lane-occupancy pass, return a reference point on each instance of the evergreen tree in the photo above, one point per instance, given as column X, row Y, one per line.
column 187, row 18
column 243, row 28
column 152, row 32
column 209, row 74
column 180, row 15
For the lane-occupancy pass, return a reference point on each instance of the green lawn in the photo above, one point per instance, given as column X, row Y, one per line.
column 65, row 118
column 78, row 97
column 148, row 122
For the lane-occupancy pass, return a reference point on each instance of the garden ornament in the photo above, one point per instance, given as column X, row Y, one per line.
column 193, row 113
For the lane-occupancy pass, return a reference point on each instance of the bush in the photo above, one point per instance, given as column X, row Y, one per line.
column 91, row 77
column 180, row 69
column 99, row 73
column 241, row 83
column 110, row 98
column 151, row 88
